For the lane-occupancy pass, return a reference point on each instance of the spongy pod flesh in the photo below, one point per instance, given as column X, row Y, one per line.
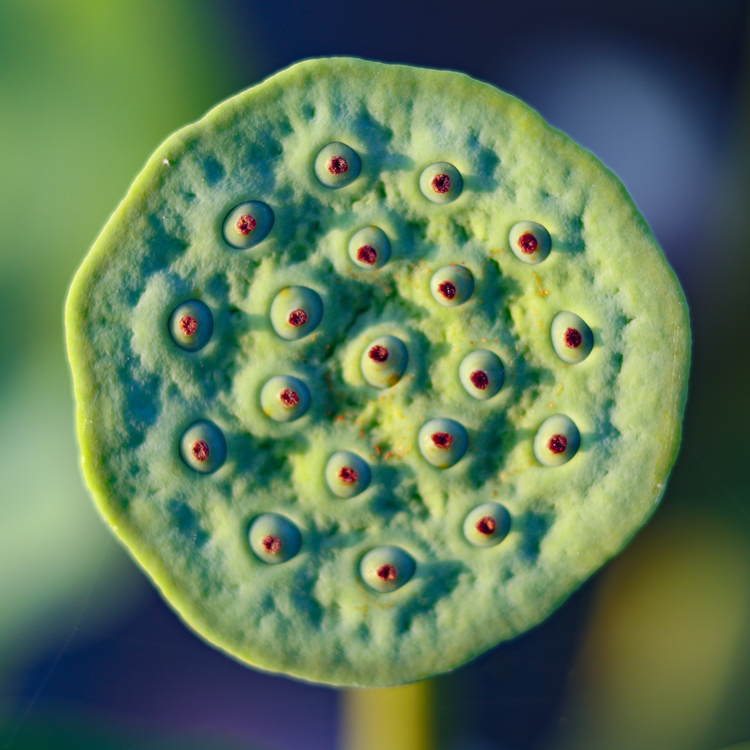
column 447, row 306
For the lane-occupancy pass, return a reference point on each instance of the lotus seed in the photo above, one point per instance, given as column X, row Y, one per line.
column 337, row 165
column 530, row 242
column 284, row 398
column 296, row 312
column 384, row 361
column 487, row 525
column 191, row 325
column 571, row 337
column 347, row 474
column 443, row 442
column 203, row 447
column 248, row 224
column 370, row 248
column 452, row 285
column 557, row 441
column 441, row 182
column 387, row 568
column 274, row 538
column 482, row 374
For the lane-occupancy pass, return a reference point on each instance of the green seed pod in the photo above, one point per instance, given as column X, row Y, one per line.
column 296, row 312
column 530, row 242
column 452, row 285
column 386, row 569
column 557, row 440
column 274, row 539
column 572, row 339
column 441, row 182
column 337, row 165
column 370, row 248
column 284, row 398
column 203, row 447
column 248, row 224
column 191, row 325
column 482, row 374
column 319, row 618
column 384, row 361
column 443, row 442
column 347, row 474
column 487, row 525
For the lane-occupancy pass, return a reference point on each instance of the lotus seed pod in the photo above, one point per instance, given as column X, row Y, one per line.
column 191, row 325
column 370, row 248
column 203, row 447
column 386, row 569
column 557, row 440
column 296, row 312
column 337, row 165
column 441, row 182
column 274, row 538
column 482, row 374
column 284, row 398
column 443, row 442
column 530, row 241
column 572, row 339
column 384, row 361
column 347, row 474
column 487, row 525
column 248, row 224
column 395, row 388
column 452, row 285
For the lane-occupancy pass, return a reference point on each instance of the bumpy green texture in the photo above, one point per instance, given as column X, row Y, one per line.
column 313, row 614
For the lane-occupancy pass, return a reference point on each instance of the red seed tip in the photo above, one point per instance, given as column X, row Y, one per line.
column 486, row 525
column 573, row 338
column 442, row 440
column 289, row 397
column 200, row 450
column 188, row 325
column 367, row 254
column 297, row 318
column 441, row 183
column 246, row 224
column 271, row 544
column 480, row 379
column 528, row 243
column 387, row 573
column 379, row 353
column 347, row 475
column 337, row 165
column 557, row 443
column 447, row 289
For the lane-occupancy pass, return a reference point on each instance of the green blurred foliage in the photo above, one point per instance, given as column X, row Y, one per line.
column 88, row 90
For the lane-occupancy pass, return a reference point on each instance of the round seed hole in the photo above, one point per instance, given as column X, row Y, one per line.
column 248, row 224
column 203, row 447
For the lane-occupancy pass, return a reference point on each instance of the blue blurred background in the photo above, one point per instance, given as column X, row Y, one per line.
column 654, row 652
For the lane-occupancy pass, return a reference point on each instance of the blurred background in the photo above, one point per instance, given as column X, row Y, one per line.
column 652, row 653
